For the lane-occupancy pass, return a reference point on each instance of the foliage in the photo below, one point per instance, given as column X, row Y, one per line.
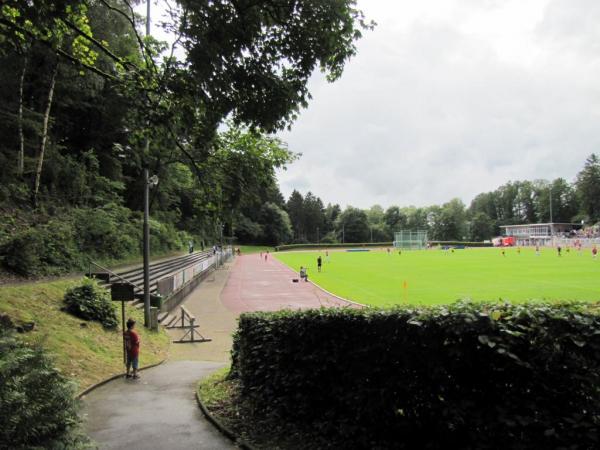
column 283, row 248
column 461, row 376
column 44, row 249
column 277, row 228
column 89, row 301
column 37, row 406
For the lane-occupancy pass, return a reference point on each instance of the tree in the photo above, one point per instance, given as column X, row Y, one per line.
column 481, row 227
column 277, row 227
column 353, row 225
column 394, row 220
column 588, row 188
column 314, row 217
column 295, row 210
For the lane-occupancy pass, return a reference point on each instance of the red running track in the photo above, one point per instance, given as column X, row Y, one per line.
column 258, row 285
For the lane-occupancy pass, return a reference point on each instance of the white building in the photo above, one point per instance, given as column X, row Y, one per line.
column 538, row 233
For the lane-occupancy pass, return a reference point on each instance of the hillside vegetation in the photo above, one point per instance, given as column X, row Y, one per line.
column 83, row 350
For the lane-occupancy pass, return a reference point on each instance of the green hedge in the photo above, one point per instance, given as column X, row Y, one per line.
column 466, row 244
column 461, row 376
column 282, row 248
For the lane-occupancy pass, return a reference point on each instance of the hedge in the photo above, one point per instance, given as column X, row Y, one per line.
column 460, row 376
column 282, row 248
column 466, row 244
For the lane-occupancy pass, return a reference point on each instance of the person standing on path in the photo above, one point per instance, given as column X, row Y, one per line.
column 132, row 345
column 319, row 263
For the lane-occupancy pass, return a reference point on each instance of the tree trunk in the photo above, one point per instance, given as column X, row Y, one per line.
column 21, row 156
column 40, row 162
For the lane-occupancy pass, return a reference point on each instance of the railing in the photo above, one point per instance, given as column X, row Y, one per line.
column 92, row 263
column 174, row 287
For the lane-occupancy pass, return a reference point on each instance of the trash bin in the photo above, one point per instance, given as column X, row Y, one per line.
column 156, row 301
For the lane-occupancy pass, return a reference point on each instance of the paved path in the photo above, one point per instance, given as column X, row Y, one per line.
column 259, row 285
column 158, row 411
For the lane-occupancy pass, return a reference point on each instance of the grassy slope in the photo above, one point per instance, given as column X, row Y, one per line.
column 86, row 354
column 435, row 276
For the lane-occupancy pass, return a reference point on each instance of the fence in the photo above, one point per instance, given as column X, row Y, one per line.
column 175, row 287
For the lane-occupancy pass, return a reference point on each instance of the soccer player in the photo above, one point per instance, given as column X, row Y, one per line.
column 594, row 252
column 537, row 250
column 319, row 262
column 559, row 249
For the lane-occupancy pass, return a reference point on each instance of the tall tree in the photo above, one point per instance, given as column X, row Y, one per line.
column 588, row 187
column 353, row 224
column 295, row 210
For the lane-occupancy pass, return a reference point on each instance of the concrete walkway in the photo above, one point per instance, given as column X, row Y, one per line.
column 159, row 411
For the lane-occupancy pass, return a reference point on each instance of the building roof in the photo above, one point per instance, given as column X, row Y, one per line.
column 539, row 224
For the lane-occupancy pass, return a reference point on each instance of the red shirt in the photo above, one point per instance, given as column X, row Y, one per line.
column 132, row 343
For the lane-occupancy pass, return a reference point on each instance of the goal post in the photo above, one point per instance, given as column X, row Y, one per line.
column 410, row 239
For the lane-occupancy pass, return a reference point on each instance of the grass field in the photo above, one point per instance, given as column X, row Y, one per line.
column 437, row 276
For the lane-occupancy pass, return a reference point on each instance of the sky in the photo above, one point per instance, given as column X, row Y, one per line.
column 450, row 98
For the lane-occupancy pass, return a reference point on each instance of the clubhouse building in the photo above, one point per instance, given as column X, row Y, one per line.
column 539, row 233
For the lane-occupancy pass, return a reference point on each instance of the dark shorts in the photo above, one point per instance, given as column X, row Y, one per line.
column 133, row 361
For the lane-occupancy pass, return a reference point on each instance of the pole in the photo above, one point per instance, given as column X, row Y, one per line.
column 343, row 233
column 147, row 214
column 123, row 328
column 551, row 219
column 146, row 250
column 148, row 18
column 318, row 238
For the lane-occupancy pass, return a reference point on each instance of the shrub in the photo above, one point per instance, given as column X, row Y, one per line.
column 47, row 249
column 282, row 248
column 89, row 301
column 460, row 376
column 37, row 402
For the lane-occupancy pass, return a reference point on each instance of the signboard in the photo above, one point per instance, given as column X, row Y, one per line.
column 122, row 292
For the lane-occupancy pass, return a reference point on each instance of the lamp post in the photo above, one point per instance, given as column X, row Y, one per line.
column 148, row 181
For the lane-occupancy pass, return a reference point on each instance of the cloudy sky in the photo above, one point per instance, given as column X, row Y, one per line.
column 450, row 98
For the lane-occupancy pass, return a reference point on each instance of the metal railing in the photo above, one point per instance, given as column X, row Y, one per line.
column 110, row 272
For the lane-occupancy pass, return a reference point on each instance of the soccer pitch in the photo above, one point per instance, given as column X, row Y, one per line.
column 439, row 277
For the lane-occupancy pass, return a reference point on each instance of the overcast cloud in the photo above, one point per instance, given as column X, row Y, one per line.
column 450, row 98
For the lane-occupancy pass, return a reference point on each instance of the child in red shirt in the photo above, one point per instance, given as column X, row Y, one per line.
column 132, row 344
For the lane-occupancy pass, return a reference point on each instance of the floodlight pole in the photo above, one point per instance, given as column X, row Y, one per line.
column 318, row 238
column 146, row 230
column 551, row 219
column 146, row 249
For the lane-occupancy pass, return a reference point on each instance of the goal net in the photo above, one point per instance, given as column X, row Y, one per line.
column 410, row 239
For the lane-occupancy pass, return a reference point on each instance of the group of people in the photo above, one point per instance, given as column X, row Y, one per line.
column 304, row 270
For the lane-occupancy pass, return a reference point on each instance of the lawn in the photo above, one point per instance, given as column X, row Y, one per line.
column 436, row 276
column 84, row 351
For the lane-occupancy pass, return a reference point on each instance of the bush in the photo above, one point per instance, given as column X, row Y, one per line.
column 465, row 243
column 282, row 248
column 47, row 249
column 89, row 301
column 461, row 376
column 37, row 402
